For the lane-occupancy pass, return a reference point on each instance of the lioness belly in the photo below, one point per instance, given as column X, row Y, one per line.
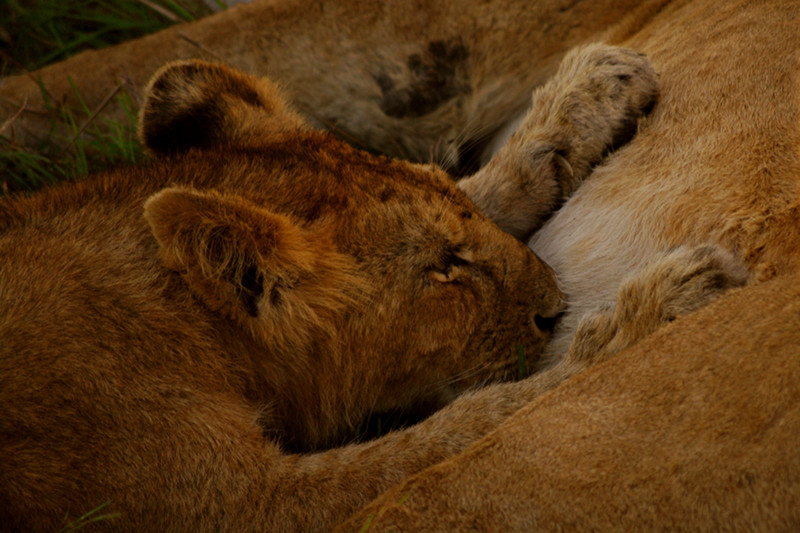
column 716, row 162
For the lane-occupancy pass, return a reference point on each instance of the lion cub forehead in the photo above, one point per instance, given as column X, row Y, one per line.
column 319, row 178
column 418, row 227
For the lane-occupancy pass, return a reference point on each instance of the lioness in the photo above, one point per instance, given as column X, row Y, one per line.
column 697, row 426
column 279, row 287
column 694, row 428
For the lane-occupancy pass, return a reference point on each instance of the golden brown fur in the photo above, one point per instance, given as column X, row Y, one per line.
column 718, row 161
column 693, row 429
column 170, row 333
column 279, row 287
column 425, row 81
column 589, row 108
column 354, row 66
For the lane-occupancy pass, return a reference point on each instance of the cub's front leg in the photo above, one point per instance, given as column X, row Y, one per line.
column 681, row 281
column 590, row 107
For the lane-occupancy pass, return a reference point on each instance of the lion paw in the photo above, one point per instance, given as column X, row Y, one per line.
column 682, row 281
column 600, row 91
column 618, row 83
column 690, row 278
column 590, row 107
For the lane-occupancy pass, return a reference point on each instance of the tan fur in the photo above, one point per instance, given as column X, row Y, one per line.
column 590, row 107
column 699, row 418
column 693, row 429
column 717, row 161
column 425, row 81
column 172, row 336
column 279, row 287
column 680, row 182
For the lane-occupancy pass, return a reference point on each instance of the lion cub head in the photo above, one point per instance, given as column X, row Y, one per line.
column 366, row 284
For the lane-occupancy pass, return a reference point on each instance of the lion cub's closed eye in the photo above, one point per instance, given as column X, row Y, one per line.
column 445, row 269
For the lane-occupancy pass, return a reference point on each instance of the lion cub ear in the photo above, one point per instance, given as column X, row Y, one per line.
column 199, row 104
column 253, row 265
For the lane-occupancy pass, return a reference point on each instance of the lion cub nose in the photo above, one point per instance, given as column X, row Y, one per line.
column 547, row 319
column 547, row 323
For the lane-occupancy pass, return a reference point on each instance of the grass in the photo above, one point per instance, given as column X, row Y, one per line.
column 93, row 143
column 34, row 34
column 522, row 363
column 86, row 519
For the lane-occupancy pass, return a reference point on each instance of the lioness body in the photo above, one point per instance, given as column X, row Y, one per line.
column 696, row 427
column 717, row 161
column 693, row 429
column 422, row 81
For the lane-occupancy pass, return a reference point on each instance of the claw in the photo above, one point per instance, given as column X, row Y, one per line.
column 563, row 162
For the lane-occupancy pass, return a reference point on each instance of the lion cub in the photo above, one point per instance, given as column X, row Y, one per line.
column 171, row 335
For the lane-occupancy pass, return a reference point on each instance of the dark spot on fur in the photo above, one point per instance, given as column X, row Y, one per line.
column 466, row 215
column 717, row 281
column 566, row 8
column 622, row 134
column 174, row 124
column 251, row 288
column 384, row 82
column 314, row 211
column 434, row 77
column 197, row 126
column 177, row 75
column 386, row 193
column 249, row 96
column 275, row 295
column 648, row 108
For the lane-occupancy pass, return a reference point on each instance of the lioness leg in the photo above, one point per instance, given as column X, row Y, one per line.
column 590, row 107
